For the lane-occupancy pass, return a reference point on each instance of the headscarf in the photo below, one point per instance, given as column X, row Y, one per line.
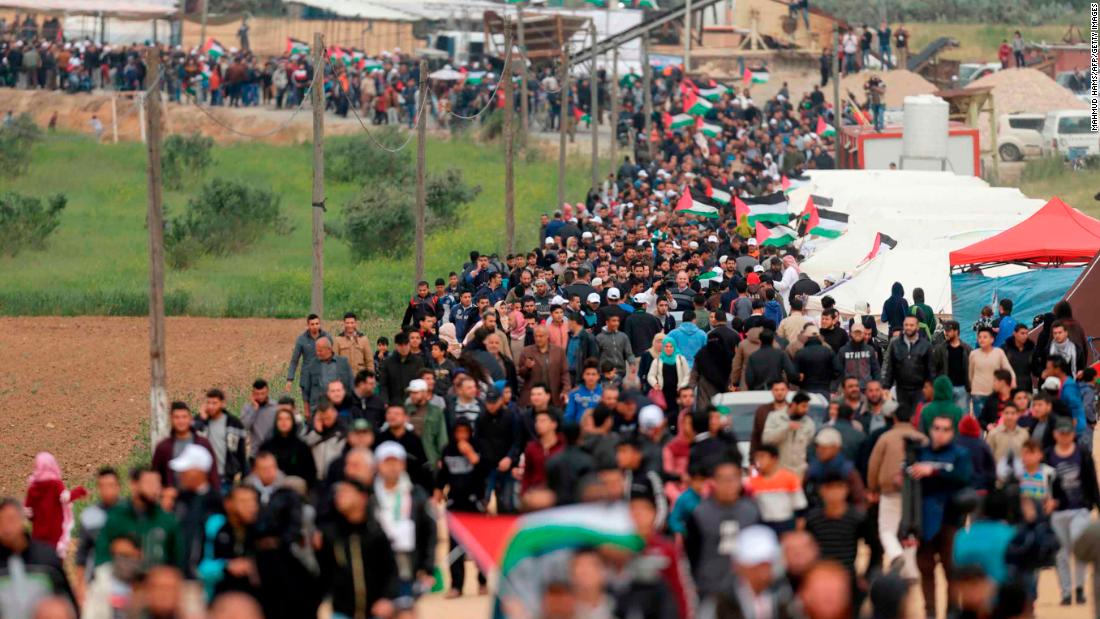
column 666, row 358
column 656, row 347
column 448, row 334
column 47, row 469
column 518, row 330
column 789, row 261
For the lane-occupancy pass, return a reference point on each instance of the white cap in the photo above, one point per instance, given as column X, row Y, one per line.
column 650, row 417
column 712, row 239
column 723, row 258
column 596, row 281
column 758, row 269
column 390, row 449
column 593, row 297
column 693, row 245
column 416, row 385
column 642, row 174
column 755, row 545
column 828, row 437
column 831, row 278
column 640, row 298
column 549, row 240
column 586, row 235
column 193, row 457
column 752, row 241
column 1052, row 384
column 558, row 300
column 613, row 293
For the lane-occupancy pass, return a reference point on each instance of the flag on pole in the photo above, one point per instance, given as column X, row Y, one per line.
column 823, row 128
column 585, row 525
column 648, row 4
column 755, row 77
column 825, row 222
column 791, row 183
column 697, row 205
column 708, row 129
column 772, row 208
column 212, row 48
column 718, row 194
column 774, row 235
column 815, row 201
column 693, row 104
column 740, row 209
column 628, row 80
column 680, row 121
column 294, row 46
column 475, row 77
column 882, row 244
column 713, row 94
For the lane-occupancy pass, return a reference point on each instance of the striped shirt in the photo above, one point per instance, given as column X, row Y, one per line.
column 838, row 538
column 778, row 496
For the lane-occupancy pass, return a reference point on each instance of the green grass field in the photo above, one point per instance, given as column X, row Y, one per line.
column 979, row 42
column 1076, row 189
column 97, row 262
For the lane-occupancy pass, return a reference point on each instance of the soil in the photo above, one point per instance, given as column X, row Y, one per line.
column 1028, row 90
column 79, row 387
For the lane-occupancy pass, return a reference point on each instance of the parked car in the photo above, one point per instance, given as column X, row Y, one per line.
column 1077, row 82
column 970, row 71
column 1019, row 136
column 1064, row 130
column 741, row 407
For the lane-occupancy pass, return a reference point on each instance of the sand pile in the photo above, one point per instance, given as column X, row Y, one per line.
column 900, row 83
column 1028, row 90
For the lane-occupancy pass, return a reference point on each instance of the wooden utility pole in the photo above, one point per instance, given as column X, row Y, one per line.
column 317, row 98
column 563, row 121
column 523, row 111
column 647, row 96
column 687, row 37
column 158, row 391
column 594, row 110
column 615, row 104
column 509, row 146
column 202, row 34
column 421, row 121
column 836, row 93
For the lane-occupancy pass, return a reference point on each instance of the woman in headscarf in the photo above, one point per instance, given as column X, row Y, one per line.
column 50, row 504
column 712, row 371
column 294, row 457
column 650, row 355
column 449, row 334
column 790, row 276
column 669, row 372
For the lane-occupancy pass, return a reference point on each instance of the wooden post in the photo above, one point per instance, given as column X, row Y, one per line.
column 523, row 110
column 509, row 146
column 563, row 121
column 421, row 193
column 317, row 99
column 140, row 100
column 614, row 95
column 158, row 392
column 114, row 118
column 202, row 33
column 687, row 37
column 836, row 93
column 594, row 110
column 647, row 96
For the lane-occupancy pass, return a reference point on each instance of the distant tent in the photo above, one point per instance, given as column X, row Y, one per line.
column 1084, row 296
column 1055, row 235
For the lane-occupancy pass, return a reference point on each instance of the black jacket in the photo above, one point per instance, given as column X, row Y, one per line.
column 416, row 461
column 295, row 458
column 236, row 455
column 587, row 347
column 767, row 365
column 41, row 564
column 565, row 470
column 814, row 363
column 357, row 566
column 907, row 366
column 1020, row 360
column 395, row 374
column 500, row 436
column 641, row 327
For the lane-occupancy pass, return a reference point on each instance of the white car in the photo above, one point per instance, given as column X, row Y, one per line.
column 1019, row 136
column 741, row 408
column 1064, row 130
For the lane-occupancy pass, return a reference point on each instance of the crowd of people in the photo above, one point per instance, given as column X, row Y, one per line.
column 584, row 371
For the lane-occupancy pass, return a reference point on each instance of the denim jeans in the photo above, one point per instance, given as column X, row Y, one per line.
column 879, row 110
column 1068, row 525
column 979, row 403
column 503, row 484
column 962, row 398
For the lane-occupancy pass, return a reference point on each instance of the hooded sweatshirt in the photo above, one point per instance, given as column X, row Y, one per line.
column 942, row 404
column 895, row 308
column 689, row 340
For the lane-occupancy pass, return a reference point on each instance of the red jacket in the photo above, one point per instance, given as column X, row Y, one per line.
column 534, row 468
column 163, row 454
column 47, row 515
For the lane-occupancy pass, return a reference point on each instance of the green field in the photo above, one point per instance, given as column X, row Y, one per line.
column 97, row 261
column 979, row 42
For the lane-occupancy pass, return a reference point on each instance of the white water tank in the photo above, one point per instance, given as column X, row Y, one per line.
column 924, row 133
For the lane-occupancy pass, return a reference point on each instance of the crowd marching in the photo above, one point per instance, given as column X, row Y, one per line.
column 584, row 372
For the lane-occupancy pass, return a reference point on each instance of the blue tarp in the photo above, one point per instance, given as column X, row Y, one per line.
column 1032, row 293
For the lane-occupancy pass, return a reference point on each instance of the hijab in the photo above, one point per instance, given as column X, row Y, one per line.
column 448, row 334
column 790, row 262
column 47, row 469
column 657, row 346
column 666, row 358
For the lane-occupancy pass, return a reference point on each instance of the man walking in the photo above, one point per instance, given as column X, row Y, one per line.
column 353, row 345
column 304, row 353
column 908, row 363
column 951, row 358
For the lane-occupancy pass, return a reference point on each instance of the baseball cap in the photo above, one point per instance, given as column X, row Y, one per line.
column 597, row 281
column 712, row 239
column 811, row 331
column 828, row 437
column 586, row 235
column 1052, row 384
column 1063, row 424
column 361, row 425
column 417, row 384
column 752, row 241
column 613, row 293
column 558, row 300
column 857, row 325
column 831, row 278
column 541, row 282
column 693, row 245
column 390, row 449
column 758, row 269
column 650, row 417
column 593, row 297
column 192, row 458
column 492, row 394
column 640, row 298
column 755, row 545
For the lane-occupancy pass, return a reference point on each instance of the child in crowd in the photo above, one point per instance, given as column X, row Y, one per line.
column 986, row 319
column 778, row 491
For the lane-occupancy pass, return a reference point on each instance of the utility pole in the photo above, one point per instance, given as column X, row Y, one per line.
column 523, row 111
column 594, row 110
column 509, row 146
column 158, row 392
column 687, row 37
column 647, row 95
column 421, row 193
column 614, row 106
column 836, row 93
column 317, row 98
column 563, row 121
column 202, row 35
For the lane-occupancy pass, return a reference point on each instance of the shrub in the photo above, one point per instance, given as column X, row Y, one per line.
column 1043, row 168
column 360, row 159
column 226, row 217
column 445, row 193
column 26, row 223
column 16, row 139
column 185, row 157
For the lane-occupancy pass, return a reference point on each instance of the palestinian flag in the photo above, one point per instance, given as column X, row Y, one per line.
column 679, row 121
column 824, row 129
column 755, row 77
column 882, row 244
column 701, row 205
column 825, row 222
column 628, row 80
column 294, row 46
column 368, row 64
column 707, row 278
column 790, row 184
column 709, row 130
column 475, row 77
column 694, row 104
column 715, row 93
column 585, row 525
column 774, row 235
column 718, row 195
column 212, row 48
column 600, row 3
column 647, row 4
column 815, row 201
column 579, row 115
column 772, row 208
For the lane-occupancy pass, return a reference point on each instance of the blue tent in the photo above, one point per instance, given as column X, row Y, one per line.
column 1033, row 292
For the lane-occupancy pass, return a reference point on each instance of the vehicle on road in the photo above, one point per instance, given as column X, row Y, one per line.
column 1064, row 130
column 1020, row 136
column 741, row 407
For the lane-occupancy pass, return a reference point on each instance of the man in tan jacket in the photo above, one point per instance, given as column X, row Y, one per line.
column 354, row 346
column 884, row 483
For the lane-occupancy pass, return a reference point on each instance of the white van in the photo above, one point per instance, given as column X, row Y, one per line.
column 1019, row 136
column 1066, row 129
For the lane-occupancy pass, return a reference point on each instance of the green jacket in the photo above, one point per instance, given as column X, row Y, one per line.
column 942, row 404
column 157, row 530
column 923, row 310
column 434, row 435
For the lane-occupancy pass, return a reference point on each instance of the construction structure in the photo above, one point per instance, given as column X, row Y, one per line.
column 967, row 106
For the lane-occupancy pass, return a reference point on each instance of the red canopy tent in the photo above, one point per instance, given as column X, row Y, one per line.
column 1055, row 235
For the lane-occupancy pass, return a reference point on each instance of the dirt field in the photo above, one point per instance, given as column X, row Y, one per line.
column 79, row 387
